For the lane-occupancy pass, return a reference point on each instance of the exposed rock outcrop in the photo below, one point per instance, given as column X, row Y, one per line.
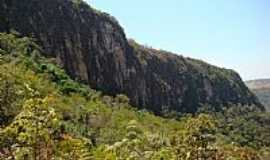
column 92, row 47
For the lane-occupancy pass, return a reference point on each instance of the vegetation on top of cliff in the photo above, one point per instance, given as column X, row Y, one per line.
column 92, row 47
column 46, row 115
column 216, row 80
column 79, row 4
column 144, row 51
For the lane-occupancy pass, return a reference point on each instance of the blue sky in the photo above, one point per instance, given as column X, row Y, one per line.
column 228, row 33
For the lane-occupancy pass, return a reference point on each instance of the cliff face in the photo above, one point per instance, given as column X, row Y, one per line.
column 92, row 47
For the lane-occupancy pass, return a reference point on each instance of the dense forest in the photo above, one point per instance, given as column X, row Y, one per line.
column 46, row 115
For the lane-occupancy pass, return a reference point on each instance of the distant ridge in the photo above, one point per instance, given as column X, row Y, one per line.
column 261, row 87
column 258, row 83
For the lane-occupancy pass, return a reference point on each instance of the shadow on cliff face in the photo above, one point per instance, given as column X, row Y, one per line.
column 92, row 47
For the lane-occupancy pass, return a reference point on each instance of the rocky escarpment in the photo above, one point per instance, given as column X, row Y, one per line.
column 92, row 47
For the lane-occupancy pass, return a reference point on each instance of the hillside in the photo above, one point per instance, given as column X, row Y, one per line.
column 92, row 48
column 261, row 88
column 258, row 84
column 46, row 115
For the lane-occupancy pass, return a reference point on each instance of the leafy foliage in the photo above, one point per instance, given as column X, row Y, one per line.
column 46, row 115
